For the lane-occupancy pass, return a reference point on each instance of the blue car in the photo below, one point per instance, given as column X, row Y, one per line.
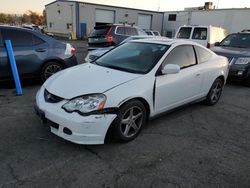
column 36, row 54
column 236, row 47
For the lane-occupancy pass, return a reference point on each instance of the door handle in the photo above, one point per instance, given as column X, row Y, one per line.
column 198, row 74
column 41, row 50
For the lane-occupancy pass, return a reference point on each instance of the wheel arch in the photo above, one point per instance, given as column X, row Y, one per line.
column 221, row 77
column 142, row 100
column 52, row 60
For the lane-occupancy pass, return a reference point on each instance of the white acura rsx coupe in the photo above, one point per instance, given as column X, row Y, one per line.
column 124, row 88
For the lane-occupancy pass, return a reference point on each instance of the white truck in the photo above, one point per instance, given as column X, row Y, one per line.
column 204, row 35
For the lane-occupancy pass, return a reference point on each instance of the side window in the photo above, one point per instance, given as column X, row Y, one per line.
column 1, row 41
column 202, row 54
column 120, row 30
column 18, row 38
column 37, row 40
column 140, row 32
column 184, row 33
column 130, row 31
column 200, row 34
column 182, row 55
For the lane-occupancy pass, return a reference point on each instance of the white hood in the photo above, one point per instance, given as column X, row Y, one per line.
column 86, row 79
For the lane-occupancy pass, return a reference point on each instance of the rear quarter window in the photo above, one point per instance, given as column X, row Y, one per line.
column 130, row 31
column 202, row 54
column 200, row 34
column 17, row 37
column 121, row 31
column 37, row 40
column 184, row 33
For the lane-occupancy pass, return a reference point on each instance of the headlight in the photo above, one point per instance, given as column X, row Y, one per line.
column 86, row 103
column 242, row 60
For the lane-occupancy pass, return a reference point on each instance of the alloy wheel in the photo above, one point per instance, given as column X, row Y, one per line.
column 131, row 122
column 216, row 92
column 51, row 69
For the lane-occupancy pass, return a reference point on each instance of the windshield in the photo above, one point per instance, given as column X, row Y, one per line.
column 134, row 57
column 237, row 40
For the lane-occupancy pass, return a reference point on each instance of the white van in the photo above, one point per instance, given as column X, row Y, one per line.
column 204, row 35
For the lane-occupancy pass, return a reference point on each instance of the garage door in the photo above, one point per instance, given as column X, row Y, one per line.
column 104, row 16
column 144, row 21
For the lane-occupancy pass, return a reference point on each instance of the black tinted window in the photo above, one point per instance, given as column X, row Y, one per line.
column 156, row 33
column 184, row 33
column 99, row 31
column 202, row 54
column 37, row 40
column 18, row 38
column 1, row 42
column 239, row 40
column 200, row 34
column 149, row 33
column 182, row 55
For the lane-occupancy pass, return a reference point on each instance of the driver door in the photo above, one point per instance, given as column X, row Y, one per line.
column 173, row 90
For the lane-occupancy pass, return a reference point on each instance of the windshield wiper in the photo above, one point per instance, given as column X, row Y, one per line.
column 115, row 67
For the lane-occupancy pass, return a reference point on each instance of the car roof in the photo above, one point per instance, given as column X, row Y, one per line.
column 166, row 41
column 14, row 27
column 114, row 25
column 43, row 36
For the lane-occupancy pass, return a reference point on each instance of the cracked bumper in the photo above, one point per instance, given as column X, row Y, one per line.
column 73, row 127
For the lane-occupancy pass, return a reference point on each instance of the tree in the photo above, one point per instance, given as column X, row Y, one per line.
column 29, row 17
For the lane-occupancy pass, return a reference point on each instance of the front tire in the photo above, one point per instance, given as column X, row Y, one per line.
column 129, row 122
column 214, row 93
column 49, row 69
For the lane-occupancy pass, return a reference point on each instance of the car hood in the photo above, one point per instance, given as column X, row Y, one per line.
column 86, row 79
column 231, row 52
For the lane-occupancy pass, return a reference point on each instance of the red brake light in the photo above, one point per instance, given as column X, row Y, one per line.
column 109, row 36
column 73, row 50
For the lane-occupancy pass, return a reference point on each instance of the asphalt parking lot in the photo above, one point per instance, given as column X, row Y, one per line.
column 195, row 146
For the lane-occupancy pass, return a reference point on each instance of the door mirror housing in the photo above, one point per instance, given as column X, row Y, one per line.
column 217, row 44
column 171, row 69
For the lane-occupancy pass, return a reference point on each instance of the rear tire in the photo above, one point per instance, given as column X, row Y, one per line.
column 129, row 122
column 49, row 69
column 214, row 93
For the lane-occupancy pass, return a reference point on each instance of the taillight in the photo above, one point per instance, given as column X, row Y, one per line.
column 70, row 50
column 208, row 45
column 109, row 36
column 73, row 50
column 109, row 39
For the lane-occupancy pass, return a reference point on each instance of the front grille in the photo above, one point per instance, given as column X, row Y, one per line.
column 51, row 98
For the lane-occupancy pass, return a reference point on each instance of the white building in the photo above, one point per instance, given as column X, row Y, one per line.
column 233, row 20
column 80, row 17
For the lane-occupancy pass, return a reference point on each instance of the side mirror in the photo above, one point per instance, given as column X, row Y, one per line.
column 171, row 69
column 217, row 44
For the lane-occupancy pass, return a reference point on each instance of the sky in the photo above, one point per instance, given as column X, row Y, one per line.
column 20, row 6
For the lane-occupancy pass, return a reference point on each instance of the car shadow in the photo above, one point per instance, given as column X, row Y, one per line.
column 10, row 84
